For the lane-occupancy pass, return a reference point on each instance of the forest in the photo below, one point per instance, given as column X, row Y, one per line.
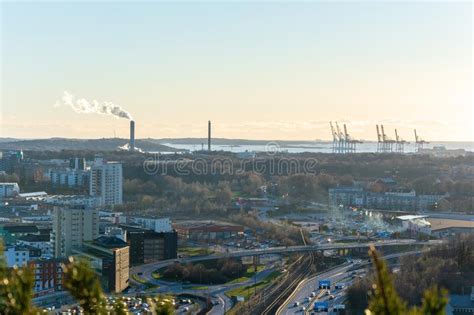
column 210, row 183
column 449, row 266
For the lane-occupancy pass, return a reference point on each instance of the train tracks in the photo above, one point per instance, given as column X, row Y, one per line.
column 281, row 293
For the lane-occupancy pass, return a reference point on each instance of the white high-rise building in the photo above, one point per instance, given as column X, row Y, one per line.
column 106, row 182
column 72, row 227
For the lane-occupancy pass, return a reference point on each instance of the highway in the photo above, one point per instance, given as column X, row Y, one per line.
column 217, row 292
column 342, row 274
column 145, row 271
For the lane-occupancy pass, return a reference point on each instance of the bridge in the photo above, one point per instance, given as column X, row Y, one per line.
column 145, row 270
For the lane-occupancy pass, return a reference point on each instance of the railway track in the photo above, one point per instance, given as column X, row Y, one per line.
column 281, row 293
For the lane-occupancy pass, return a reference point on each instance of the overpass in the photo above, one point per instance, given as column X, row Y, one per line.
column 145, row 270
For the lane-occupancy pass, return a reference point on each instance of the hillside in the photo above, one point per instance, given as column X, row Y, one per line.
column 105, row 144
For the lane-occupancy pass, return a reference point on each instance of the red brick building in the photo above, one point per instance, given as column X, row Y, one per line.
column 48, row 275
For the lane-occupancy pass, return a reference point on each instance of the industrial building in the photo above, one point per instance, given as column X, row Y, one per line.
column 391, row 200
column 415, row 224
column 445, row 228
column 204, row 231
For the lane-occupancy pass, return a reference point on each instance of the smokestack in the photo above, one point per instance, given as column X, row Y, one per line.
column 209, row 135
column 132, row 136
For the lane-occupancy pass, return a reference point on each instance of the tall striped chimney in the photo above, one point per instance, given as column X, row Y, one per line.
column 132, row 136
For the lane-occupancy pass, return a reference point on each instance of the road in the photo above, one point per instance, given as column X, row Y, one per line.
column 342, row 274
column 304, row 291
column 217, row 292
column 145, row 271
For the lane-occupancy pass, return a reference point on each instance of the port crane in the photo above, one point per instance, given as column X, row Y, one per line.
column 342, row 142
column 400, row 143
column 419, row 143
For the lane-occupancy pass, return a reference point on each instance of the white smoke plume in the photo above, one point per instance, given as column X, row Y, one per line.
column 80, row 105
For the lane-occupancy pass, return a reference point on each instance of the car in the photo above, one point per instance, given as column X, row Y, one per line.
column 331, row 297
column 303, row 308
column 297, row 304
column 313, row 294
column 308, row 299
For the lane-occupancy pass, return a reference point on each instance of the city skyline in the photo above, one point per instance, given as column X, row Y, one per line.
column 257, row 70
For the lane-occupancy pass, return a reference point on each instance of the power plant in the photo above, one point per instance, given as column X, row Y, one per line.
column 342, row 142
column 131, row 145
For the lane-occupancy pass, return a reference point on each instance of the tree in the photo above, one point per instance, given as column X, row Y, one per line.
column 16, row 289
column 84, row 285
column 385, row 300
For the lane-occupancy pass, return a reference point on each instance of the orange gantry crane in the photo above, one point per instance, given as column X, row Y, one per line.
column 342, row 142
column 419, row 143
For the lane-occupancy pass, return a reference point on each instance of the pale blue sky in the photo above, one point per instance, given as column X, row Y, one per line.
column 258, row 70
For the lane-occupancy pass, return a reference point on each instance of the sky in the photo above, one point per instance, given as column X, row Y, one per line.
column 258, row 70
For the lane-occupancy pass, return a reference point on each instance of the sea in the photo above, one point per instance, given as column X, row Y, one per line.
column 316, row 147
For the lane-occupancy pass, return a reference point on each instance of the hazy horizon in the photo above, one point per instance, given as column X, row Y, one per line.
column 276, row 71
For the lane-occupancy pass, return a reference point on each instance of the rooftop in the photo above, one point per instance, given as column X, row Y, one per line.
column 461, row 301
column 33, row 194
column 440, row 224
column 35, row 238
column 110, row 242
column 410, row 217
column 208, row 226
column 21, row 228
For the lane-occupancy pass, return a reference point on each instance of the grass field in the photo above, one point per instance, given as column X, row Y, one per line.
column 249, row 290
column 195, row 251
column 143, row 281
column 249, row 274
column 202, row 287
column 156, row 275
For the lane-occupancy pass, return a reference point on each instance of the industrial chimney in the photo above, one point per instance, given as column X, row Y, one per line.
column 132, row 136
column 209, row 135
